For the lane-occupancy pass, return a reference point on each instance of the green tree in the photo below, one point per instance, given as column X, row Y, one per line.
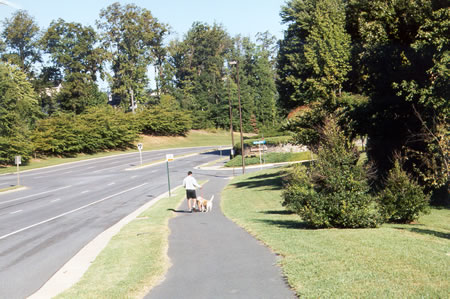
column 20, row 35
column 314, row 57
column 130, row 35
column 198, row 63
column 18, row 113
column 402, row 49
column 335, row 191
column 73, row 50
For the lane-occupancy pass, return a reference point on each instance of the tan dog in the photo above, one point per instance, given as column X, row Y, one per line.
column 204, row 205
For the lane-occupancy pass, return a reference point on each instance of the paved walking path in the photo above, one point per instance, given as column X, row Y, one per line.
column 214, row 258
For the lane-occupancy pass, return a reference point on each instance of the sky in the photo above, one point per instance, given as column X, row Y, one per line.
column 244, row 17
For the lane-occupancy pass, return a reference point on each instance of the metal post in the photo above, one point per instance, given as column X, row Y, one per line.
column 18, row 175
column 168, row 177
column 231, row 119
column 240, row 117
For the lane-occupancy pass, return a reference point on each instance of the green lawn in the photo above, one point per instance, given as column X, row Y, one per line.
column 193, row 139
column 393, row 261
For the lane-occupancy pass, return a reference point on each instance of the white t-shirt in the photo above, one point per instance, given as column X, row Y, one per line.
column 190, row 183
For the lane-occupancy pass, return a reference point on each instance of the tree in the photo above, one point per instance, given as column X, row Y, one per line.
column 73, row 50
column 198, row 63
column 21, row 34
column 403, row 49
column 314, row 57
column 18, row 113
column 334, row 191
column 130, row 34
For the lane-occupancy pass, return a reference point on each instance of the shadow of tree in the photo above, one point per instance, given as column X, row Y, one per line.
column 289, row 224
column 426, row 232
column 278, row 212
column 178, row 211
column 272, row 181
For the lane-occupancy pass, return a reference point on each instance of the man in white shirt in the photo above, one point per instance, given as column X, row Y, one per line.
column 190, row 184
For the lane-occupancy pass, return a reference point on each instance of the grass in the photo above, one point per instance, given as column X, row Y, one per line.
column 193, row 139
column 134, row 260
column 269, row 158
column 393, row 261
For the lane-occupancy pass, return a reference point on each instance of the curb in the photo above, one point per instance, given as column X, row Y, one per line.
column 74, row 269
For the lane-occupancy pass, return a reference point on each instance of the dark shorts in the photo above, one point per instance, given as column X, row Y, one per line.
column 190, row 194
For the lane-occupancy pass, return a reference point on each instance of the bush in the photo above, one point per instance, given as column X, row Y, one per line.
column 402, row 199
column 98, row 129
column 164, row 121
column 334, row 191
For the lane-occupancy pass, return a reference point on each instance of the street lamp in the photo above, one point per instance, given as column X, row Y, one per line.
column 231, row 119
column 240, row 113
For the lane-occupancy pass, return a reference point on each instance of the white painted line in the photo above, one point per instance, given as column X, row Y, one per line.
column 16, row 212
column 110, row 184
column 86, row 191
column 67, row 172
column 134, row 176
column 3, row 202
column 69, row 212
column 55, row 200
column 90, row 167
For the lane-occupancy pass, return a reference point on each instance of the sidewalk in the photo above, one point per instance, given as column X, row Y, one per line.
column 214, row 258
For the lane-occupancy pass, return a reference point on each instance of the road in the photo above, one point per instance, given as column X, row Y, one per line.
column 65, row 207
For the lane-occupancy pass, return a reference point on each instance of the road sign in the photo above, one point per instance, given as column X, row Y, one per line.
column 169, row 157
column 18, row 160
column 259, row 142
column 140, row 146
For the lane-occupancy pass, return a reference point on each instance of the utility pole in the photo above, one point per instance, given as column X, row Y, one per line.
column 231, row 119
column 240, row 114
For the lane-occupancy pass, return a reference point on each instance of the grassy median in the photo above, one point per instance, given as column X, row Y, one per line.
column 134, row 260
column 393, row 261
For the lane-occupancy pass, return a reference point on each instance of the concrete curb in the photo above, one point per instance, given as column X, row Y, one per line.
column 73, row 270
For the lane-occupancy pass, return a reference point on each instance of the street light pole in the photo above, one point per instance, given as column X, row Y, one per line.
column 240, row 114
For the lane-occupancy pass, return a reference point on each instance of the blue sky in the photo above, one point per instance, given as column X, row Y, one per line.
column 245, row 17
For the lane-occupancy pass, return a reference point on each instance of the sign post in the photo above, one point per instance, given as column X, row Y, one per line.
column 140, row 146
column 169, row 158
column 259, row 149
column 18, row 161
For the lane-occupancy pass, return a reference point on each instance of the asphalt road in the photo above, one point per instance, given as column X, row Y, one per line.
column 65, row 207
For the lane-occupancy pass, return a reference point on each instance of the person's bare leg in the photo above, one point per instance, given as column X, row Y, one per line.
column 189, row 204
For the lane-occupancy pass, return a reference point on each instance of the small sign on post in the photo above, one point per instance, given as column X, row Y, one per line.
column 140, row 146
column 169, row 158
column 18, row 160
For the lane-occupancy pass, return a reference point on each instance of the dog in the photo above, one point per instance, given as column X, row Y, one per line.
column 204, row 205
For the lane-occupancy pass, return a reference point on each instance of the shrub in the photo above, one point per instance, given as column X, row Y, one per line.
column 334, row 191
column 402, row 199
column 163, row 121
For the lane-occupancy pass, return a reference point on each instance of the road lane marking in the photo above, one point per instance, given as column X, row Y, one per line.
column 3, row 202
column 55, row 200
column 69, row 212
column 85, row 192
column 110, row 184
column 134, row 176
column 16, row 212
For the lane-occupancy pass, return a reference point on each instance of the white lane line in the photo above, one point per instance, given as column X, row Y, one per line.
column 55, row 200
column 134, row 176
column 69, row 212
column 3, row 202
column 67, row 172
column 110, row 184
column 16, row 212
column 86, row 191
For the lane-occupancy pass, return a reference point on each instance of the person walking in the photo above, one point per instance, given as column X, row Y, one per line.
column 190, row 184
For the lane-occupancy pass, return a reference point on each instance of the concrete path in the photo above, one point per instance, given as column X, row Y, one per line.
column 214, row 258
